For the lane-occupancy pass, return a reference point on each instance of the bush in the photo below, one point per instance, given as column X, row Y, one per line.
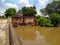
column 43, row 21
column 55, row 19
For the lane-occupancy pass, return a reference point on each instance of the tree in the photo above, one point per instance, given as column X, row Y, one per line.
column 55, row 19
column 10, row 12
column 43, row 21
column 43, row 11
column 53, row 10
column 29, row 11
column 53, row 7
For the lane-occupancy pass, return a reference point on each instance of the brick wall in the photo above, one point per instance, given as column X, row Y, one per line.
column 25, row 20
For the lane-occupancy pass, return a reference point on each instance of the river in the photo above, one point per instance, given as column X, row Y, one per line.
column 35, row 35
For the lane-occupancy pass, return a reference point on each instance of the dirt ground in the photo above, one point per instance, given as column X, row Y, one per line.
column 3, row 32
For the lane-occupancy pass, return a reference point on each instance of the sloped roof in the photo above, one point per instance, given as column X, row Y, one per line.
column 20, row 13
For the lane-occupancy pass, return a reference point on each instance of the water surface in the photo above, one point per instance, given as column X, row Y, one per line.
column 35, row 35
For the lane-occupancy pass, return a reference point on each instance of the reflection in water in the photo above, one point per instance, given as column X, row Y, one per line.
column 34, row 35
column 38, row 41
column 38, row 36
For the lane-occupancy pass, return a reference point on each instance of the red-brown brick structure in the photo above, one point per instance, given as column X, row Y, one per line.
column 23, row 20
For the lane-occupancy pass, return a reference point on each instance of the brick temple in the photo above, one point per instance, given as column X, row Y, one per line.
column 23, row 20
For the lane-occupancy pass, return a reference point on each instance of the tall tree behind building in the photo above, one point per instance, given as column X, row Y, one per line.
column 29, row 11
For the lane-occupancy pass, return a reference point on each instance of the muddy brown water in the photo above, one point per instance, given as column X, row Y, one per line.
column 35, row 35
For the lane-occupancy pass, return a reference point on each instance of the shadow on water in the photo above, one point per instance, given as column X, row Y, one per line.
column 39, row 35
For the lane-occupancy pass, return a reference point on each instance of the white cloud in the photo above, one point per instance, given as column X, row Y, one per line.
column 43, row 3
column 24, row 3
column 23, row 0
column 2, row 11
column 3, row 0
column 38, row 13
column 9, row 5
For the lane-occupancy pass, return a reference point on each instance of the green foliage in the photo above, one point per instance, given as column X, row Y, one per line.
column 53, row 7
column 43, row 21
column 10, row 12
column 29, row 11
column 53, row 10
column 43, row 11
column 55, row 18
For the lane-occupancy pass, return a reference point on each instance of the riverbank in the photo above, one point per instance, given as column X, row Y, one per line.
column 3, row 32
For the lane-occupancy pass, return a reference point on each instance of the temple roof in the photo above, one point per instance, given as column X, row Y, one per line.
column 20, row 13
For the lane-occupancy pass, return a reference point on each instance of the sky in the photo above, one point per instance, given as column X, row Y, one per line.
column 18, row 4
